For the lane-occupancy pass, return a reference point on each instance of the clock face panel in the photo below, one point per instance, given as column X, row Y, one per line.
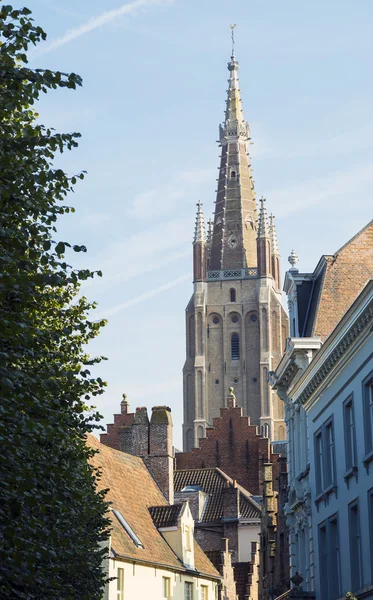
column 232, row 241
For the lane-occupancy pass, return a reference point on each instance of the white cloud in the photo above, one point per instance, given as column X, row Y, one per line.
column 150, row 294
column 352, row 188
column 167, row 197
column 131, row 8
column 141, row 253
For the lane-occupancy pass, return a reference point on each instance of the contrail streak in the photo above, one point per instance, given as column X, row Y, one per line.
column 95, row 22
column 163, row 288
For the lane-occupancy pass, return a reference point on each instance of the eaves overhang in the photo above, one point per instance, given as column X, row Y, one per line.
column 289, row 365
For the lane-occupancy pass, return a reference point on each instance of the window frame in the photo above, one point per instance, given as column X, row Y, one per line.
column 350, row 434
column 367, row 400
column 188, row 585
column 370, row 525
column 357, row 583
column 330, row 568
column 235, row 346
column 204, row 592
column 325, row 463
column 120, row 583
column 329, row 455
column 319, row 461
column 166, row 581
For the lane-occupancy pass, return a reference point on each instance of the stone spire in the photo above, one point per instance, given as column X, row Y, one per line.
column 273, row 234
column 199, row 246
column 275, row 253
column 263, row 227
column 199, row 230
column 264, row 243
column 210, row 229
column 234, row 236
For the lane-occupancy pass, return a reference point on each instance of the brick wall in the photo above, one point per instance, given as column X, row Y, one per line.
column 234, row 446
column 347, row 273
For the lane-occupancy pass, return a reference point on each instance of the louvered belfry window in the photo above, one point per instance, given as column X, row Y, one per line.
column 235, row 344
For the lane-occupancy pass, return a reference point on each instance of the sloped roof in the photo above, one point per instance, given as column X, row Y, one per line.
column 165, row 516
column 213, row 482
column 325, row 295
column 133, row 491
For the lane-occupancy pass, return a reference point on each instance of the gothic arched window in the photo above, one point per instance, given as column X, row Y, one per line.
column 232, row 293
column 235, row 346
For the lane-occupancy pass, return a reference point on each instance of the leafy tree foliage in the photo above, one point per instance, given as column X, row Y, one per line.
column 52, row 519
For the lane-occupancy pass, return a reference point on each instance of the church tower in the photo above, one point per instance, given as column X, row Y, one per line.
column 236, row 326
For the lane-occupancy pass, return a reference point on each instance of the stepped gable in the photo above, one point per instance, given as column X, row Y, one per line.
column 232, row 445
column 213, row 482
column 114, row 431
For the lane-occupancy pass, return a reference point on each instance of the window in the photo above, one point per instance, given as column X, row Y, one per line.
column 349, row 429
column 370, row 511
column 120, row 584
column 204, row 592
column 233, row 173
column 325, row 457
column 323, row 561
column 166, row 582
column 235, row 346
column 334, row 563
column 188, row 590
column 355, row 545
column 232, row 294
column 329, row 559
column 329, row 454
column 319, row 463
column 368, row 413
column 188, row 538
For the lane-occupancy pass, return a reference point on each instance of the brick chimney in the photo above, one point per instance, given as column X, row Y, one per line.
column 160, row 460
column 141, row 432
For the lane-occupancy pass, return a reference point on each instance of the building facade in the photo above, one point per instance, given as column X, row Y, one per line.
column 317, row 303
column 336, row 392
column 297, row 509
column 235, row 324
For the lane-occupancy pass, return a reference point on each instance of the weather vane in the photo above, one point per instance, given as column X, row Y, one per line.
column 232, row 35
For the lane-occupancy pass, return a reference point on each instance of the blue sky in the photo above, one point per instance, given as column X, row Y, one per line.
column 155, row 77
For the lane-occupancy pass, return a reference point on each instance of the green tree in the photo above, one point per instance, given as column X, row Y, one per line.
column 53, row 525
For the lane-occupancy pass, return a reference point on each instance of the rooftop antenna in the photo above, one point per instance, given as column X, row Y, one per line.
column 232, row 36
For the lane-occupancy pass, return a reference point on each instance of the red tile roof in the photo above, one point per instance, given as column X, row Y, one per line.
column 132, row 491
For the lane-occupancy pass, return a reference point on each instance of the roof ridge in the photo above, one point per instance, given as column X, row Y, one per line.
column 353, row 237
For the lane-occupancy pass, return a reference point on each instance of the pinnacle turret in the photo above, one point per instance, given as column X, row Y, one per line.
column 263, row 227
column 199, row 231
column 210, row 229
column 272, row 232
